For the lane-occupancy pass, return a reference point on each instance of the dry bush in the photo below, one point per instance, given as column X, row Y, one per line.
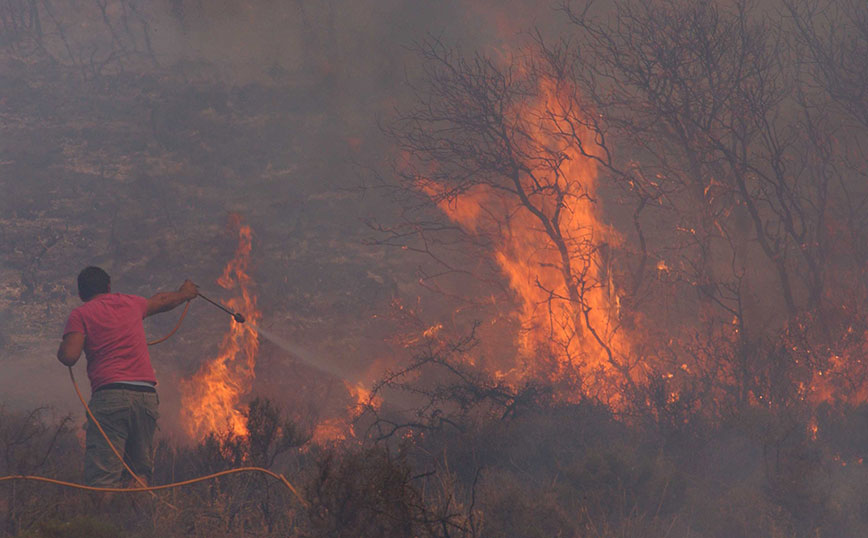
column 739, row 512
column 249, row 503
column 510, row 508
column 33, row 443
column 569, row 470
column 365, row 493
column 84, row 526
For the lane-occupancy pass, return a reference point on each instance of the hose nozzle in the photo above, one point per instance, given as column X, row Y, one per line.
column 237, row 316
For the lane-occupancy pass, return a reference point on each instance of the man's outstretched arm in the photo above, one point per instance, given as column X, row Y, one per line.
column 167, row 300
column 70, row 348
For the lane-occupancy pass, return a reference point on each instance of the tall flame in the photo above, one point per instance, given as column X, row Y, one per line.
column 566, row 335
column 211, row 398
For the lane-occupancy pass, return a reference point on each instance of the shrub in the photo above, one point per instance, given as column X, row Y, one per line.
column 364, row 493
column 82, row 526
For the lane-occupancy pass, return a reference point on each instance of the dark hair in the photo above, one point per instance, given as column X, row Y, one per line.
column 91, row 282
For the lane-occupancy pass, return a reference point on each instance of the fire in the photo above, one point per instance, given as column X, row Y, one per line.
column 211, row 398
column 843, row 379
column 559, row 272
column 362, row 395
column 331, row 431
column 338, row 429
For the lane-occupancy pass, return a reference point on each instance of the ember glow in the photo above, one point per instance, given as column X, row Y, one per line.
column 341, row 428
column 212, row 398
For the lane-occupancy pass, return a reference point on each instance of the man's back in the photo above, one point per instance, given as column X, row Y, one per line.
column 115, row 342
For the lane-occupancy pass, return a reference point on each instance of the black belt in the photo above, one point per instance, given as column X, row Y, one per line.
column 126, row 386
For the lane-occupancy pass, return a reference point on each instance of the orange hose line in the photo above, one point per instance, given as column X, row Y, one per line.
column 144, row 486
column 212, row 476
column 177, row 326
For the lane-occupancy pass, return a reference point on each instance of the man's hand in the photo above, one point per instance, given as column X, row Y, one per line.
column 189, row 290
column 167, row 300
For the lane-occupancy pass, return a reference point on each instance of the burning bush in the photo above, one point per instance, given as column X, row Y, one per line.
column 628, row 219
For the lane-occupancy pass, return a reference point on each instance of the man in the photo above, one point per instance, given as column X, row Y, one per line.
column 108, row 328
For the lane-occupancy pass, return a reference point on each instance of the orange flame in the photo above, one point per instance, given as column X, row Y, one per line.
column 211, row 398
column 563, row 332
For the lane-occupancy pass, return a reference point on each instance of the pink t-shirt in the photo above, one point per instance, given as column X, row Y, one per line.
column 114, row 342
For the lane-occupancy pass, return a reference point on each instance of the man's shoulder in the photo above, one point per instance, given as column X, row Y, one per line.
column 129, row 297
column 76, row 312
column 111, row 299
column 137, row 302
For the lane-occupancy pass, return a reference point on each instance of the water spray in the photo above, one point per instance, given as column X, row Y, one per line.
column 293, row 350
column 235, row 315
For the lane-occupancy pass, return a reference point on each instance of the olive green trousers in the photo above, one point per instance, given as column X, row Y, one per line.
column 129, row 418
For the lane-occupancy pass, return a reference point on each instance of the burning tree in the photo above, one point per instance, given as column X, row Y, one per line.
column 485, row 148
column 732, row 155
column 727, row 264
